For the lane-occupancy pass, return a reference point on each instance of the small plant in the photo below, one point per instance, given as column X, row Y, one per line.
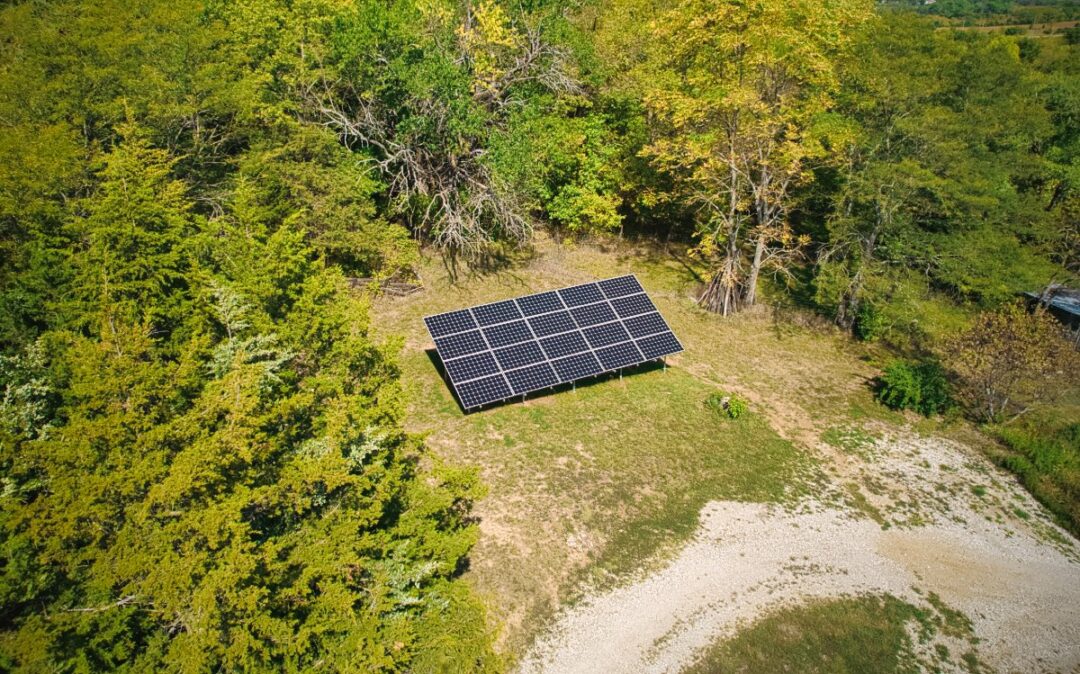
column 913, row 385
column 727, row 404
column 869, row 323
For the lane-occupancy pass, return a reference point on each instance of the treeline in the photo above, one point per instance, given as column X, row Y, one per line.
column 989, row 12
column 201, row 449
column 201, row 446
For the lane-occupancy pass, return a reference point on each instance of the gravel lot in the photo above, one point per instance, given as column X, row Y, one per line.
column 1017, row 577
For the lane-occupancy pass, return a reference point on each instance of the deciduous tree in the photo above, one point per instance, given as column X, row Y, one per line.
column 1010, row 360
column 737, row 87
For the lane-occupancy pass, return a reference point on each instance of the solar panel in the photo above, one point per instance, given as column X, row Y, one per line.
column 448, row 324
column 499, row 312
column 460, row 344
column 507, row 334
column 552, row 324
column 645, row 325
column 605, row 335
column 633, row 305
column 564, row 345
column 542, row 303
column 575, row 296
column 620, row 285
column 493, row 352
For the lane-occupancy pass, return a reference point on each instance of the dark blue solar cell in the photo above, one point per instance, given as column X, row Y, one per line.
column 646, row 324
column 532, row 378
column 507, row 334
column 500, row 312
column 519, row 355
column 532, row 305
column 593, row 314
column 564, row 345
column 576, row 367
column 583, row 294
column 604, row 335
column 460, row 345
column 620, row 355
column 483, row 391
column 552, row 324
column 472, row 367
column 659, row 345
column 623, row 285
column 447, row 324
column 633, row 305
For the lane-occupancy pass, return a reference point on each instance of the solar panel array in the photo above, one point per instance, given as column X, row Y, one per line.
column 497, row 351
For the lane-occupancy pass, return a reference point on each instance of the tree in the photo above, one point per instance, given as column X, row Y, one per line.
column 919, row 199
column 131, row 231
column 202, row 458
column 427, row 89
column 1011, row 360
column 738, row 87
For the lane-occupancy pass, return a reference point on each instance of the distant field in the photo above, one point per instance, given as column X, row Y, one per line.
column 1048, row 29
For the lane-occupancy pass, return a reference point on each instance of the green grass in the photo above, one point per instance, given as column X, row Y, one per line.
column 625, row 465
column 850, row 439
column 851, row 635
column 1044, row 452
column 632, row 459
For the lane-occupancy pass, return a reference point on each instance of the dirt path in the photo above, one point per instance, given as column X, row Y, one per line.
column 1017, row 579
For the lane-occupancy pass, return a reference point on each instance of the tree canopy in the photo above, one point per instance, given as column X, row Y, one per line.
column 203, row 462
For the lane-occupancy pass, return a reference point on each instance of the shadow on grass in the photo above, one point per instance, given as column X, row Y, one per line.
column 650, row 366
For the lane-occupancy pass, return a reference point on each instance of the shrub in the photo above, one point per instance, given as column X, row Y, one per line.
column 727, row 404
column 919, row 386
column 869, row 323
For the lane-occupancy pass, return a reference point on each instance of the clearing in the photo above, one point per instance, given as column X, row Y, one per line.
column 629, row 528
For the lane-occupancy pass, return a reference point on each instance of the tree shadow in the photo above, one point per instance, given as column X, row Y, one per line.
column 640, row 368
column 495, row 259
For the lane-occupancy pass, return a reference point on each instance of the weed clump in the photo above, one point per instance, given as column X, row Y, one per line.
column 727, row 405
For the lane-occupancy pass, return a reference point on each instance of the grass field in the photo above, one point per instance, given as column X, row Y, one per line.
column 878, row 634
column 590, row 486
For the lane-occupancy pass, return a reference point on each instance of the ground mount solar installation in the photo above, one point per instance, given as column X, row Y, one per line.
column 498, row 351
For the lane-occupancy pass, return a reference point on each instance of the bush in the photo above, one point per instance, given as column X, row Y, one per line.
column 919, row 386
column 869, row 323
column 727, row 404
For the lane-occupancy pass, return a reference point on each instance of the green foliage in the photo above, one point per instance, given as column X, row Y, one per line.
column 1010, row 360
column 927, row 212
column 865, row 634
column 1045, row 454
column 570, row 166
column 727, row 405
column 870, row 324
column 202, row 451
column 201, row 445
column 920, row 386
